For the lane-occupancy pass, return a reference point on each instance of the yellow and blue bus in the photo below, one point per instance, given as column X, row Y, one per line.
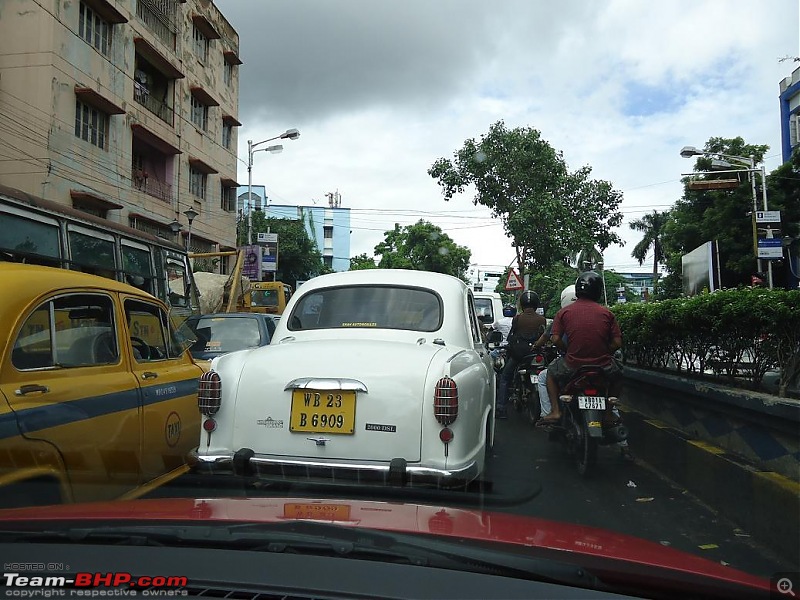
column 42, row 232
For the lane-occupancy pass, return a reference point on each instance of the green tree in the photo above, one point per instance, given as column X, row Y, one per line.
column 362, row 261
column 652, row 226
column 549, row 212
column 424, row 247
column 723, row 215
column 298, row 257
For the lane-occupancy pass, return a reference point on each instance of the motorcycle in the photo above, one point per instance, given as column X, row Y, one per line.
column 585, row 401
column 524, row 392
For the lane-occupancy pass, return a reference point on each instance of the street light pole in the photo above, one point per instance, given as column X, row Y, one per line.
column 289, row 134
column 750, row 162
column 191, row 214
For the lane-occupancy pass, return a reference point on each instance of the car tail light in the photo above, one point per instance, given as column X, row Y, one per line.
column 445, row 401
column 446, row 435
column 209, row 393
column 209, row 425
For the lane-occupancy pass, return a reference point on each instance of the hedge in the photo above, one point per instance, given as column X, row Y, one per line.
column 737, row 333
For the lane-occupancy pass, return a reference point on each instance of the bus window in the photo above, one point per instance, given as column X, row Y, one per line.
column 178, row 286
column 33, row 241
column 92, row 254
column 137, row 268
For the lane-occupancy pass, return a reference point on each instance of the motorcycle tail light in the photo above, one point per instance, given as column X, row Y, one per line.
column 590, row 392
column 539, row 359
column 209, row 393
column 445, row 401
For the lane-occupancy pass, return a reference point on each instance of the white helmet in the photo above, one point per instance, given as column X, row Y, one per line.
column 568, row 296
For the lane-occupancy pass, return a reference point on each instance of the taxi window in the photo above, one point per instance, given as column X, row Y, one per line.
column 70, row 331
column 150, row 331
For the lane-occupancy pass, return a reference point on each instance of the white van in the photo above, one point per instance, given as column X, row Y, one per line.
column 489, row 307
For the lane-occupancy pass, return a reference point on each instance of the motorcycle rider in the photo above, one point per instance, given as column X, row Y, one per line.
column 594, row 335
column 525, row 326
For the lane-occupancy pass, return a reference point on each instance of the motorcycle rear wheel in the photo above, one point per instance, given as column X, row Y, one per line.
column 585, row 450
column 533, row 406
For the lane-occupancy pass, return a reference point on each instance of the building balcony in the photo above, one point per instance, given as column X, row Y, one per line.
column 151, row 186
column 160, row 109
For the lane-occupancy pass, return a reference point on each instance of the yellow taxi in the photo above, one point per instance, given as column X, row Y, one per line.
column 97, row 391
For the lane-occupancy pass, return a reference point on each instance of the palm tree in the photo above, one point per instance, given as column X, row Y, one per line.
column 589, row 258
column 652, row 225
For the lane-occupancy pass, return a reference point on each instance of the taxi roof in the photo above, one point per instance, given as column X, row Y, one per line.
column 20, row 283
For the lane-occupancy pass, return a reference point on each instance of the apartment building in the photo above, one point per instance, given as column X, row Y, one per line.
column 126, row 109
column 328, row 226
column 789, row 99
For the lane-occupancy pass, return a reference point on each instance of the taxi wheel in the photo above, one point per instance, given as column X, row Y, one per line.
column 34, row 492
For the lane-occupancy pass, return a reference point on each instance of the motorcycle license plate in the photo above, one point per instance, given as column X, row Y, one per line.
column 592, row 402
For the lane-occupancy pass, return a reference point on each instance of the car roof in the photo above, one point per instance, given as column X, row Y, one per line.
column 436, row 281
column 222, row 315
column 32, row 281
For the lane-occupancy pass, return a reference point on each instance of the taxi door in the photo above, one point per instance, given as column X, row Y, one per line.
column 168, row 380
column 70, row 387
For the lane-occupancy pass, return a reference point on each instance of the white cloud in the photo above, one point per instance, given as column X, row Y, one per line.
column 380, row 90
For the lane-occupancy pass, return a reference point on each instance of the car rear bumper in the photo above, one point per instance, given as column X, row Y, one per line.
column 398, row 472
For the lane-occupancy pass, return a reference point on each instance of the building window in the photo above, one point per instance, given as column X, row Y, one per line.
column 91, row 124
column 197, row 182
column 200, row 44
column 794, row 130
column 328, row 260
column 228, row 198
column 95, row 30
column 227, row 73
column 227, row 135
column 328, row 232
column 199, row 114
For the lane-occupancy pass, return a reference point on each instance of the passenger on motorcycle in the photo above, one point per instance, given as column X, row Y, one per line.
column 526, row 327
column 594, row 335
column 503, row 324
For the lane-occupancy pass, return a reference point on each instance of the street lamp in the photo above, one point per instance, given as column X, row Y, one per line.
column 289, row 134
column 750, row 163
column 190, row 215
column 175, row 226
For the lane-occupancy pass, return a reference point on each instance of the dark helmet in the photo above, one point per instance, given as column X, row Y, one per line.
column 529, row 299
column 589, row 285
column 509, row 310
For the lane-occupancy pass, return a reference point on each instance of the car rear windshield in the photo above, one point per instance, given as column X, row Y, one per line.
column 225, row 334
column 364, row 306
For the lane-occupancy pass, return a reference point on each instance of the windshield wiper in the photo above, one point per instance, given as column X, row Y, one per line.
column 305, row 537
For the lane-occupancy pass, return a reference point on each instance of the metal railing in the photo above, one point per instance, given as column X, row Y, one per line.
column 160, row 109
column 151, row 186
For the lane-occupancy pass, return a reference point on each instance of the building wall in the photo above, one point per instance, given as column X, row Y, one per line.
column 335, row 245
column 141, row 175
column 790, row 114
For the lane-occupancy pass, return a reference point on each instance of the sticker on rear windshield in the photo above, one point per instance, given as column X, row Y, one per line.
column 384, row 428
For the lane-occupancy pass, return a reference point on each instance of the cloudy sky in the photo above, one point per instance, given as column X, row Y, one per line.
column 381, row 89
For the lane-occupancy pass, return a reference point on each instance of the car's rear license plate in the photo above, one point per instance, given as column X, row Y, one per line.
column 592, row 402
column 318, row 411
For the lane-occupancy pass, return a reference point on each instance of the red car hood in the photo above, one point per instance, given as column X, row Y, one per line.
column 611, row 556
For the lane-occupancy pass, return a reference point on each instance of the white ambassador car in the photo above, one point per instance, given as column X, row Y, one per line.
column 371, row 375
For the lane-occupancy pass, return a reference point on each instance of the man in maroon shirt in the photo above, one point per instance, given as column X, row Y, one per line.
column 593, row 334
